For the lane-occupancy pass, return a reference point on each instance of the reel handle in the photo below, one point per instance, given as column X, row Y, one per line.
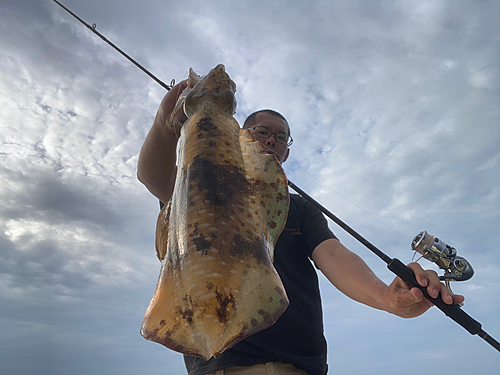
column 453, row 311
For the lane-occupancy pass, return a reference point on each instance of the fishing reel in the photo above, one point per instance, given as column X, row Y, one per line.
column 455, row 268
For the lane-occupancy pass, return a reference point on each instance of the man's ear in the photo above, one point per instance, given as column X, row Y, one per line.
column 286, row 155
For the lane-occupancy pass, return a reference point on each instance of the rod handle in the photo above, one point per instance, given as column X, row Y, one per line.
column 453, row 311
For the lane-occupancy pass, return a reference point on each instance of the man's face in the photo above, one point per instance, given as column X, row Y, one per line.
column 275, row 125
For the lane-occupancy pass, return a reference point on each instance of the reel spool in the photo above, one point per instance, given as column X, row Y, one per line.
column 455, row 268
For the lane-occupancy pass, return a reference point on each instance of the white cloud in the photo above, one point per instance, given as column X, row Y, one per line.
column 394, row 112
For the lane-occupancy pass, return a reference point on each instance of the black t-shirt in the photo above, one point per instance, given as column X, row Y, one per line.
column 297, row 337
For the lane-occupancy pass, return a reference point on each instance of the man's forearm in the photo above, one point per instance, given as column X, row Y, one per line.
column 349, row 273
column 156, row 167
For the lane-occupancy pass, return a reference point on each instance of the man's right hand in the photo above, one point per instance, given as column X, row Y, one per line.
column 172, row 122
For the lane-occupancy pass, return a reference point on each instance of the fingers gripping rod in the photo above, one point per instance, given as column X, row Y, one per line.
column 405, row 273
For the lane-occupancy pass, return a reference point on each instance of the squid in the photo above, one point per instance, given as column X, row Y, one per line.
column 215, row 238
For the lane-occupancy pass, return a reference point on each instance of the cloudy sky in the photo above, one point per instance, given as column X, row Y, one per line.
column 394, row 108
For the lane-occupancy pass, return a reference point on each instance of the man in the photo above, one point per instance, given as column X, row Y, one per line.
column 295, row 344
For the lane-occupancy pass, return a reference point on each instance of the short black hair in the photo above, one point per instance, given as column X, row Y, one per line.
column 250, row 121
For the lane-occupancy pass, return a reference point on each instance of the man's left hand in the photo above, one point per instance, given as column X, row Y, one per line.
column 408, row 302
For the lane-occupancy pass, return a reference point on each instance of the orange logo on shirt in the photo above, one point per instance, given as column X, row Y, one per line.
column 293, row 231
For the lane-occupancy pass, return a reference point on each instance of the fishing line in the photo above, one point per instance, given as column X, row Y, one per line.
column 93, row 29
column 435, row 251
column 350, row 202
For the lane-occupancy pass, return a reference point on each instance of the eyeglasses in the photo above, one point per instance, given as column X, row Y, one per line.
column 282, row 138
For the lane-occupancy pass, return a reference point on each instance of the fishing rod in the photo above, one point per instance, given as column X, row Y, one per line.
column 439, row 250
column 456, row 268
column 93, row 29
